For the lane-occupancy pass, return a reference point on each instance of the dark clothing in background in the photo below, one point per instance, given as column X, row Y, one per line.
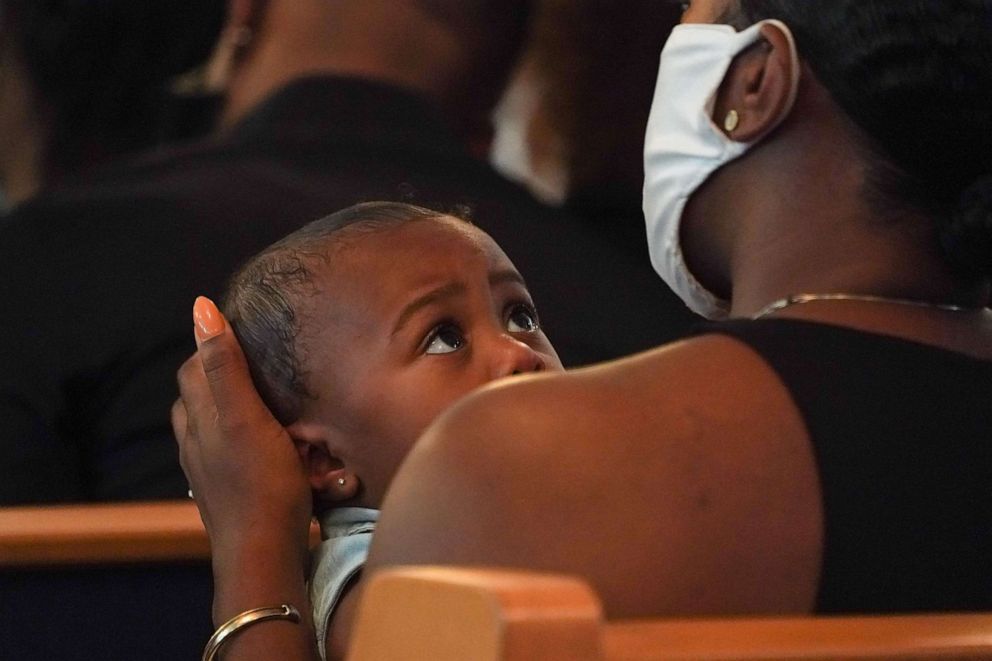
column 98, row 279
column 902, row 435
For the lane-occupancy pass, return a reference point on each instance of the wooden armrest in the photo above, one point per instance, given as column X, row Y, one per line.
column 443, row 614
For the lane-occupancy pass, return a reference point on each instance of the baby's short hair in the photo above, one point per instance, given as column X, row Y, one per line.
column 263, row 302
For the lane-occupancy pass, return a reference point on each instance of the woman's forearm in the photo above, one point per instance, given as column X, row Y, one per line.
column 261, row 572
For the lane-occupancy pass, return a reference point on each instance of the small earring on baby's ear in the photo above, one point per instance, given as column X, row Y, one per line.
column 341, row 481
column 732, row 121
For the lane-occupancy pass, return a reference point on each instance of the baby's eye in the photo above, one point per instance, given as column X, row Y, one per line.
column 445, row 339
column 522, row 319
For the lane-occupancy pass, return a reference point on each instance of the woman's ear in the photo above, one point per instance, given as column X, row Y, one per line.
column 761, row 86
column 330, row 478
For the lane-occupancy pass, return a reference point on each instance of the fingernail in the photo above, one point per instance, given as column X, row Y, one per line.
column 208, row 321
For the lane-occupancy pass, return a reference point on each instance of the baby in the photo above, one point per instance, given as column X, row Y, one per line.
column 359, row 329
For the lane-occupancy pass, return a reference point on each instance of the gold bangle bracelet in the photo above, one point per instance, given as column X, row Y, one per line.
column 246, row 619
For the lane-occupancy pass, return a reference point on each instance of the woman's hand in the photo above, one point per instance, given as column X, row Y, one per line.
column 247, row 478
column 251, row 489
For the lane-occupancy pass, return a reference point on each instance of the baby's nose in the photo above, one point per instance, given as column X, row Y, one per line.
column 516, row 357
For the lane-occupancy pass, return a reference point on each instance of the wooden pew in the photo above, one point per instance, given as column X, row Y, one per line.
column 133, row 581
column 449, row 614
column 958, row 637
column 104, row 582
column 102, row 534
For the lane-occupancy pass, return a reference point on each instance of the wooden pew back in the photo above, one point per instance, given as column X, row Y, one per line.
column 104, row 582
column 450, row 614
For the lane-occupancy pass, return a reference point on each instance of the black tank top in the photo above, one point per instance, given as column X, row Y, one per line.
column 902, row 434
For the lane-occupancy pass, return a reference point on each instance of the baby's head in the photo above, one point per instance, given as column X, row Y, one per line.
column 361, row 327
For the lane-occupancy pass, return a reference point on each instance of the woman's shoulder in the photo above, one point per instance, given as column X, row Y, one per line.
column 686, row 374
column 686, row 396
column 691, row 446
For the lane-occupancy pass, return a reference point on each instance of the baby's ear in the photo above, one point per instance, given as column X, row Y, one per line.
column 331, row 480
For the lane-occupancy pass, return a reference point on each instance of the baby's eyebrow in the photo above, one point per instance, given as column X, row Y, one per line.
column 449, row 290
column 506, row 275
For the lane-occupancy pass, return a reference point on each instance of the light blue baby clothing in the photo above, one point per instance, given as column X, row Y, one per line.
column 346, row 534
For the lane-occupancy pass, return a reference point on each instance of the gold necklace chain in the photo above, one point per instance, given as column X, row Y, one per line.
column 799, row 299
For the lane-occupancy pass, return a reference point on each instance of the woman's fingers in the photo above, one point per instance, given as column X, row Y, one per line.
column 195, row 395
column 180, row 422
column 225, row 369
column 238, row 458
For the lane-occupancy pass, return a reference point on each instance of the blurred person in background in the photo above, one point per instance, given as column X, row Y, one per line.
column 323, row 105
column 571, row 127
column 84, row 82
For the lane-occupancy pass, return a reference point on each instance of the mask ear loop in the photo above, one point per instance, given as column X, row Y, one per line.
column 795, row 74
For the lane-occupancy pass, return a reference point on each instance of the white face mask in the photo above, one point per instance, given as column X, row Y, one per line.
column 683, row 147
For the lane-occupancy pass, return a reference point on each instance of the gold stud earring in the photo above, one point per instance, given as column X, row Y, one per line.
column 732, row 121
column 241, row 36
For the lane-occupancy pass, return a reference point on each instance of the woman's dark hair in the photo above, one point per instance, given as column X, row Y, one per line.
column 916, row 77
column 264, row 299
column 101, row 68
